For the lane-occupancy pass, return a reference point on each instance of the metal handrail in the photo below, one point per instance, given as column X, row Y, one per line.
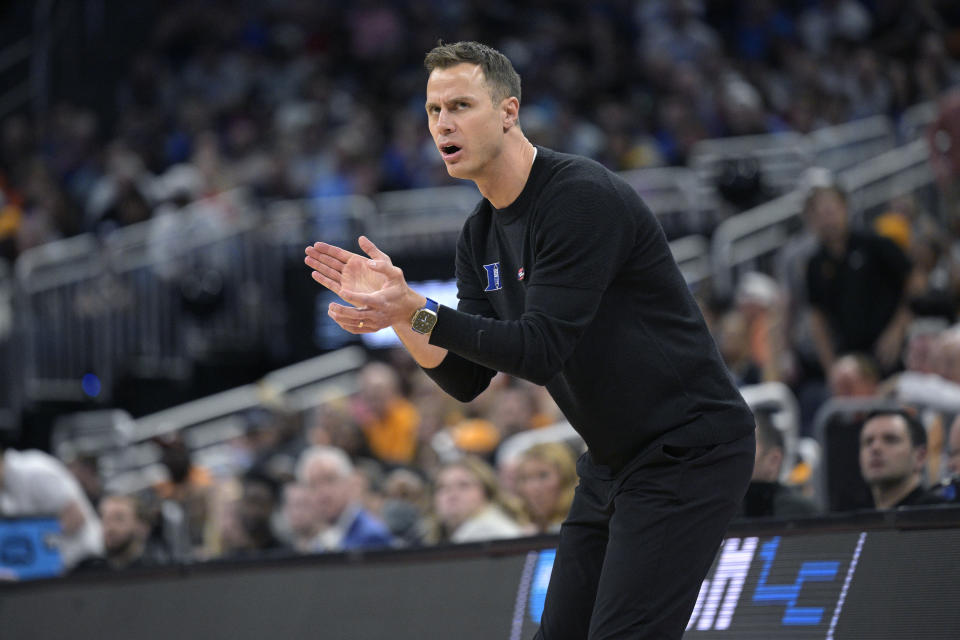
column 743, row 238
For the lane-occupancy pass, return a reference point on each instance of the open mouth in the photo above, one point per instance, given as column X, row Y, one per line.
column 449, row 150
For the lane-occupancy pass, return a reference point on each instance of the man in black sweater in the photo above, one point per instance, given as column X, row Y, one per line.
column 566, row 279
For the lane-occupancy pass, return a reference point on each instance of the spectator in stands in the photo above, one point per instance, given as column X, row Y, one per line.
column 345, row 524
column 472, row 436
column 243, row 521
column 934, row 377
column 893, row 449
column 733, row 340
column 469, row 505
column 943, row 136
column 853, row 375
column 514, row 408
column 388, row 420
column 405, row 505
column 299, row 517
column 123, row 195
column 330, row 425
column 867, row 86
column 546, row 479
column 126, row 531
column 368, row 477
column 675, row 31
column 921, row 347
column 953, row 450
column 948, row 489
column 258, row 500
column 936, row 71
column 934, row 284
column 857, row 285
column 85, row 469
column 759, row 299
column 766, row 495
column 824, row 23
column 947, row 356
column 273, row 435
column 187, row 486
column 33, row 483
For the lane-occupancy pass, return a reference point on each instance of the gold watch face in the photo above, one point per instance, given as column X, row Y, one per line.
column 423, row 321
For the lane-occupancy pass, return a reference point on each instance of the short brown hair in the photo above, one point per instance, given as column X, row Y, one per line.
column 814, row 194
column 502, row 79
column 915, row 429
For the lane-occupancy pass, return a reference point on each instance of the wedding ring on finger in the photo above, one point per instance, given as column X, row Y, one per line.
column 360, row 326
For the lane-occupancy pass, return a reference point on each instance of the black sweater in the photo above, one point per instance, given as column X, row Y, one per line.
column 573, row 286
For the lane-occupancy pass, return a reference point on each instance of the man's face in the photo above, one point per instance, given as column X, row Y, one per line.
column 540, row 485
column 256, row 505
column 458, row 496
column 887, row 456
column 828, row 217
column 329, row 490
column 847, row 382
column 466, row 126
column 120, row 525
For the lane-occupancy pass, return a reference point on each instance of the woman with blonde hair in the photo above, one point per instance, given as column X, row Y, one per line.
column 469, row 504
column 546, row 479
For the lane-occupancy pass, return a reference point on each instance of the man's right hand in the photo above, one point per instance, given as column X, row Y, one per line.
column 340, row 270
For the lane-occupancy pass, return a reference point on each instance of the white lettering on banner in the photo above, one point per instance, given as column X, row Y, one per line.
column 726, row 586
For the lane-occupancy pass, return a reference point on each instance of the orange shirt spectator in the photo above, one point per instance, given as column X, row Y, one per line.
column 388, row 420
column 392, row 436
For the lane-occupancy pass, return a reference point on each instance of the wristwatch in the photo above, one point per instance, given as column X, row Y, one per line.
column 425, row 318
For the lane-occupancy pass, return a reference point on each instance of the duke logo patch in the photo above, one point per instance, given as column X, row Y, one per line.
column 493, row 277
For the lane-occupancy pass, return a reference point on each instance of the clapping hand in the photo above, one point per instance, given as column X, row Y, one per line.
column 376, row 289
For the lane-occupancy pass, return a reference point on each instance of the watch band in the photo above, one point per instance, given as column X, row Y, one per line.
column 432, row 305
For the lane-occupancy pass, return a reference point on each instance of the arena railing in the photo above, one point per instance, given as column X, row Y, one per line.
column 751, row 240
column 60, row 293
column 743, row 241
column 916, row 119
column 290, row 224
column 903, row 171
column 129, row 458
column 680, row 201
column 692, row 254
column 421, row 220
column 783, row 156
column 150, row 297
column 845, row 145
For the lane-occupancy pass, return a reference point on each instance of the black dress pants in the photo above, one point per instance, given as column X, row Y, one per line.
column 637, row 544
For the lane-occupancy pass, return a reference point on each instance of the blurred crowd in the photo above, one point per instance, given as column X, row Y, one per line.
column 296, row 99
column 398, row 464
